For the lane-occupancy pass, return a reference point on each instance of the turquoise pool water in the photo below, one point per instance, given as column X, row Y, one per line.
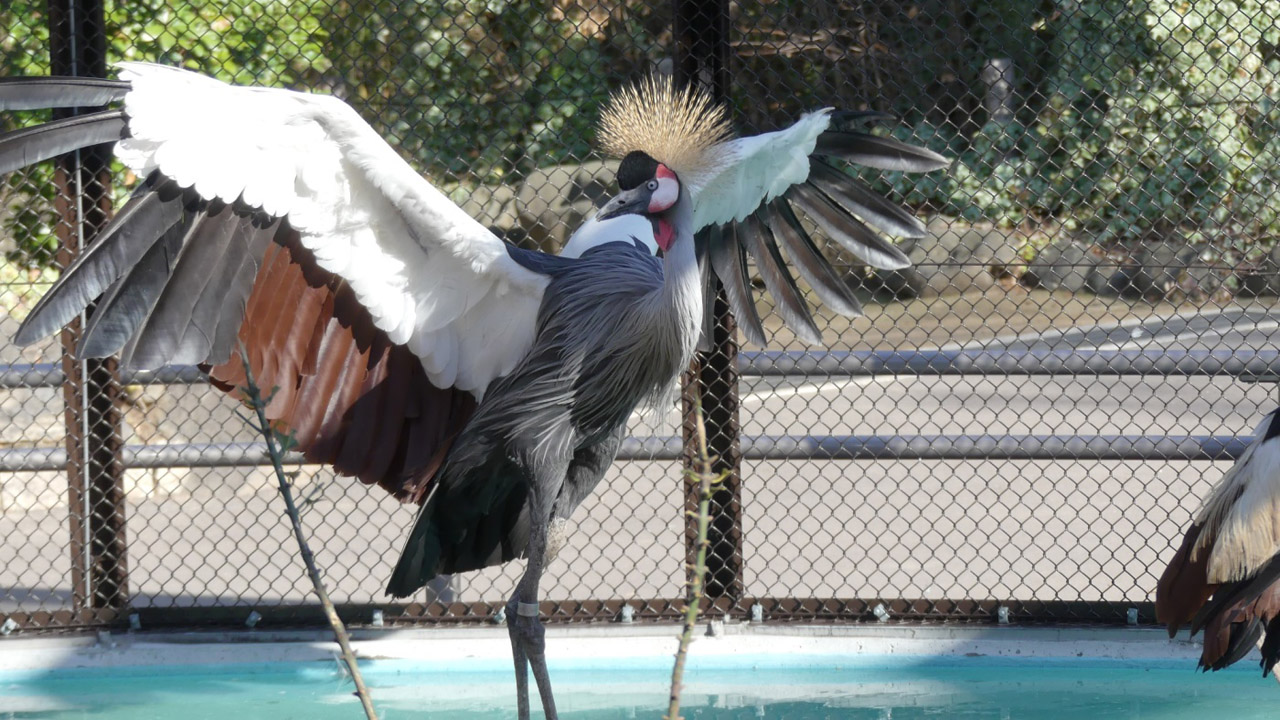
column 871, row 688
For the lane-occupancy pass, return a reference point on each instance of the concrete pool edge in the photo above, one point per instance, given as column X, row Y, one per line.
column 479, row 649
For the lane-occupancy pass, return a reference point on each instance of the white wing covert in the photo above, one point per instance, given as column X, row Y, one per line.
column 429, row 275
column 280, row 222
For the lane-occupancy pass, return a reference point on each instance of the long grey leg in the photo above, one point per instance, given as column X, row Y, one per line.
column 521, row 659
column 528, row 637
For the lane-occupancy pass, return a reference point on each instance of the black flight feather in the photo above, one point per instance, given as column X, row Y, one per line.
column 729, row 261
column 857, row 198
column 255, row 232
column 839, row 225
column 157, row 342
column 878, row 152
column 217, row 251
column 842, row 119
column 117, row 316
column 703, row 240
column 755, row 235
column 27, row 146
column 154, row 208
column 39, row 93
column 812, row 264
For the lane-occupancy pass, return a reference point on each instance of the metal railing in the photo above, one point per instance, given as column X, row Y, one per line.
column 894, row 469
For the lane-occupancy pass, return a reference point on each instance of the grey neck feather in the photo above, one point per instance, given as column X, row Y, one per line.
column 681, row 292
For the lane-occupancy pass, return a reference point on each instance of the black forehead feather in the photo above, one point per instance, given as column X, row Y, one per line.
column 636, row 169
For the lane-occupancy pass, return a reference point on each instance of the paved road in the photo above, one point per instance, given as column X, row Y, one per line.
column 1068, row 530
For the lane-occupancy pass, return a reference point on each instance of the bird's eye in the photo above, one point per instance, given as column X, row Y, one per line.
column 651, row 185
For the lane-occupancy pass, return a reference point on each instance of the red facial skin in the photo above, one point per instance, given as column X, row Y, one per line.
column 666, row 194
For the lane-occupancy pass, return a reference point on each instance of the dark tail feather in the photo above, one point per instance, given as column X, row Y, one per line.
column 471, row 519
column 28, row 146
column 729, row 261
column 773, row 270
column 155, row 207
column 859, row 199
column 878, row 152
column 839, row 225
column 815, row 268
column 420, row 559
column 39, row 93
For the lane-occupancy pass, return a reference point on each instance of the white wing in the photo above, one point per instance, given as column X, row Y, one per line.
column 755, row 170
column 430, row 276
column 749, row 189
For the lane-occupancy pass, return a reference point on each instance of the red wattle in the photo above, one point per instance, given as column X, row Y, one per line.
column 664, row 235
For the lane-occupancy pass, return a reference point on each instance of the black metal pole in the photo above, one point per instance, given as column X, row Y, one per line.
column 95, row 473
column 701, row 29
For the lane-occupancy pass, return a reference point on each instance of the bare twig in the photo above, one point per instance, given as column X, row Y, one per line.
column 705, row 479
column 254, row 395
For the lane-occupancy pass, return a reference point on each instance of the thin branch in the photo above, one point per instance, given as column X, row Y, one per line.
column 703, row 476
column 259, row 405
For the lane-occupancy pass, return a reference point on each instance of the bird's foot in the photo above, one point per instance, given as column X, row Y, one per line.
column 528, row 647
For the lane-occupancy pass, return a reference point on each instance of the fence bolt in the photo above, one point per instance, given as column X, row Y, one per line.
column 9, row 626
column 715, row 628
column 757, row 613
column 881, row 612
column 1132, row 616
column 135, row 621
column 500, row 617
column 253, row 619
column 628, row 614
column 1002, row 615
column 378, row 620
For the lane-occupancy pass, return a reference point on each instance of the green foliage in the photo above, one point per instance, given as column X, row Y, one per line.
column 1139, row 118
column 470, row 91
column 26, row 210
column 1155, row 117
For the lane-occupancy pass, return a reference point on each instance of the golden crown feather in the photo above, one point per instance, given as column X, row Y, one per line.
column 678, row 127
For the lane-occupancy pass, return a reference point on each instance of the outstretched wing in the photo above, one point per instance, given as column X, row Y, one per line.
column 378, row 307
column 752, row 192
column 768, row 178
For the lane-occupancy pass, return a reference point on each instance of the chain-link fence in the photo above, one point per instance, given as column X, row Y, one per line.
column 1025, row 419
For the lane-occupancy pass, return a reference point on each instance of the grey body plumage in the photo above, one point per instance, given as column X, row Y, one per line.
column 615, row 327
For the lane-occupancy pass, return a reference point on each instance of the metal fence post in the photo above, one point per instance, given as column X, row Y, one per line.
column 95, row 472
column 701, row 31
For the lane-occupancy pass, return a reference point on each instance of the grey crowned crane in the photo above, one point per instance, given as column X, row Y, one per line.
column 412, row 348
column 1225, row 577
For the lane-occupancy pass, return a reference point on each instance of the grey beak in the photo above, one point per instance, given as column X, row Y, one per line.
column 635, row 200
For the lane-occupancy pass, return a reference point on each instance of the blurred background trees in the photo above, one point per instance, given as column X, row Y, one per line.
column 1133, row 119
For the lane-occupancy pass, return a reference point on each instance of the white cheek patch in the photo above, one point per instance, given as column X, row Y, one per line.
column 665, row 196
